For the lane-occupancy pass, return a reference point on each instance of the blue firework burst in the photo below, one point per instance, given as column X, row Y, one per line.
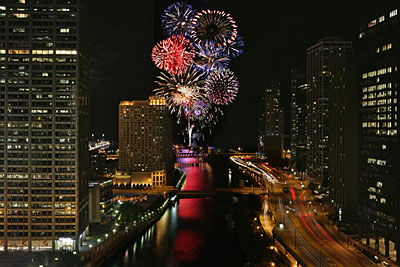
column 210, row 56
column 177, row 19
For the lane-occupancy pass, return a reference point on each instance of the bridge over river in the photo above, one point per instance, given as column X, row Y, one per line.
column 170, row 190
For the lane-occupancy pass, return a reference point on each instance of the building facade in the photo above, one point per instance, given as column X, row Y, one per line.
column 298, row 139
column 273, row 123
column 379, row 200
column 43, row 124
column 145, row 143
column 317, row 60
column 343, row 136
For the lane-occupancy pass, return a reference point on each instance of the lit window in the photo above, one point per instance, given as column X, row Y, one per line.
column 18, row 52
column 372, row 23
column 393, row 13
column 20, row 15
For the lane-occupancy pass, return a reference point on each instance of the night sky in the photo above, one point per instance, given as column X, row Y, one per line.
column 277, row 34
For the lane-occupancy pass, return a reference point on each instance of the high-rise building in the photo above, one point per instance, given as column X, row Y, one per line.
column 379, row 48
column 298, row 125
column 145, row 143
column 273, row 122
column 343, row 136
column 43, row 124
column 318, row 57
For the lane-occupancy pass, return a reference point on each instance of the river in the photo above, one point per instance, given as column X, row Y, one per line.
column 195, row 232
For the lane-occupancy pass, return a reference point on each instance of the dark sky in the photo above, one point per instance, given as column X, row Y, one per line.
column 276, row 33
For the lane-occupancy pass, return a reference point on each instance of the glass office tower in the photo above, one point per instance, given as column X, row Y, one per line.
column 43, row 124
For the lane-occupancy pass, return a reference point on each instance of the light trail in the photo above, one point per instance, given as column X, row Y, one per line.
column 266, row 208
column 313, row 256
column 300, row 215
column 253, row 168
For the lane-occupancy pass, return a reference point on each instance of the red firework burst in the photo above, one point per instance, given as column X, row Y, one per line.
column 173, row 54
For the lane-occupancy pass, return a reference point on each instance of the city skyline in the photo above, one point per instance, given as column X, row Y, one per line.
column 230, row 132
column 273, row 49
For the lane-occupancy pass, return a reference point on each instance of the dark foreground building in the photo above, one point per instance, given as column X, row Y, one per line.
column 379, row 48
column 318, row 58
column 298, row 141
column 43, row 124
column 343, row 136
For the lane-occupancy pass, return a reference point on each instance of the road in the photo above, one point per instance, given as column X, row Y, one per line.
column 292, row 216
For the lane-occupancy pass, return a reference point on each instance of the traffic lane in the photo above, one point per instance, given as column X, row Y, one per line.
column 337, row 252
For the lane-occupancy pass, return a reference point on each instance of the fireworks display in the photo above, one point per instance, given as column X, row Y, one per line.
column 234, row 48
column 173, row 54
column 209, row 57
column 177, row 19
column 195, row 57
column 213, row 26
column 221, row 86
column 181, row 90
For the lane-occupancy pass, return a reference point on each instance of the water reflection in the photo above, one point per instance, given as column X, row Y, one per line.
column 182, row 234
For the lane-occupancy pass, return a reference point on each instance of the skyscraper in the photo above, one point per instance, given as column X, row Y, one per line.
column 43, row 124
column 273, row 122
column 343, row 136
column 318, row 57
column 379, row 48
column 298, row 125
column 145, row 143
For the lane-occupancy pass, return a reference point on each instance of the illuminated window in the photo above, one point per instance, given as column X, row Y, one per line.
column 66, row 52
column 372, row 23
column 20, row 15
column 393, row 13
column 18, row 52
column 381, row 18
column 42, row 52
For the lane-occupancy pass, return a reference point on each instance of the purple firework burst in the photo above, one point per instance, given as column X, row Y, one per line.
column 221, row 86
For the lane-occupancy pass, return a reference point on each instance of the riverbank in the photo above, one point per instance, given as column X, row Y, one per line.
column 133, row 220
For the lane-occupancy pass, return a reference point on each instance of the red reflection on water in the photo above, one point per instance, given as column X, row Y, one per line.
column 193, row 214
column 187, row 244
